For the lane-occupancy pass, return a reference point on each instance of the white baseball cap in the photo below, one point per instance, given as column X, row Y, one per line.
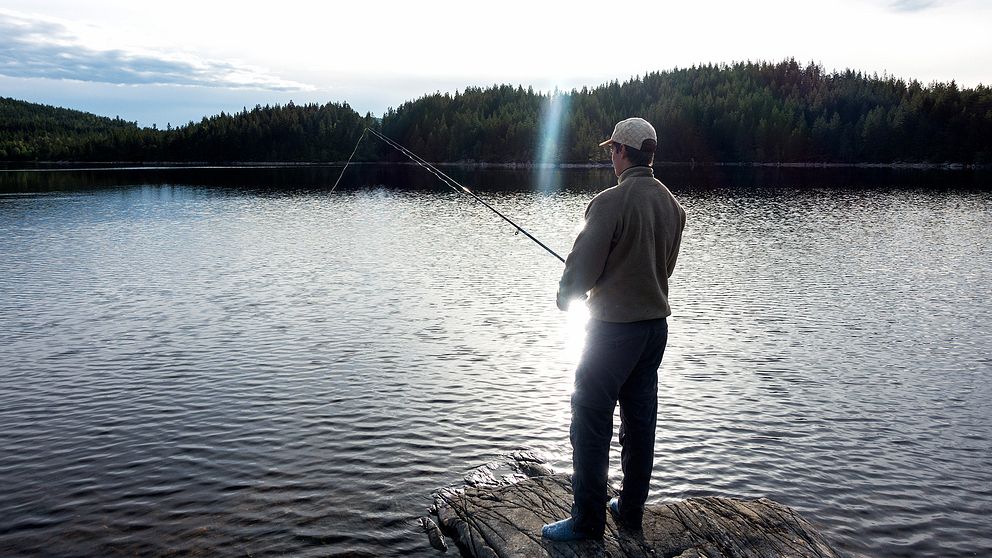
column 632, row 132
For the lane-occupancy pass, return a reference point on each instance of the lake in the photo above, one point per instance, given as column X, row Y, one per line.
column 240, row 362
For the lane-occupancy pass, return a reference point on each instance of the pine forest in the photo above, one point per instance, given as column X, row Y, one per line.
column 741, row 113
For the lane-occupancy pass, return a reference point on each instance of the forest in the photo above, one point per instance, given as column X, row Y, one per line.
column 747, row 112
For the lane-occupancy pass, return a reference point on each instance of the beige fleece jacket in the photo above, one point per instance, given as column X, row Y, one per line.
column 626, row 251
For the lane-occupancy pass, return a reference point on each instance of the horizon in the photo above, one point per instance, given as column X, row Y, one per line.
column 158, row 64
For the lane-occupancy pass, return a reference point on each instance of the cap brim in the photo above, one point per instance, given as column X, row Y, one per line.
column 607, row 142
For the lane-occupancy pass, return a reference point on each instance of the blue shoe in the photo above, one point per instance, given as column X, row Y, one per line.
column 563, row 530
column 615, row 508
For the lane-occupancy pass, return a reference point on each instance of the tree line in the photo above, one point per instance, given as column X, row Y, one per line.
column 742, row 112
column 311, row 132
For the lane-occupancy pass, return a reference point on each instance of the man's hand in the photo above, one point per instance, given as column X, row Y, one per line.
column 563, row 302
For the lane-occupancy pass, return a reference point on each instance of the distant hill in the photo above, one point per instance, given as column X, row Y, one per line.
column 30, row 131
column 744, row 112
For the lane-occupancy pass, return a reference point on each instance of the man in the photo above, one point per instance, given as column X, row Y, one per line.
column 622, row 258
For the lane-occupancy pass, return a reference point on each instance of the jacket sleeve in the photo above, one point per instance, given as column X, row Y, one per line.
column 673, row 255
column 586, row 261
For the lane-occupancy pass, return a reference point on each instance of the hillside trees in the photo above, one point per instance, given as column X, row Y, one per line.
column 742, row 112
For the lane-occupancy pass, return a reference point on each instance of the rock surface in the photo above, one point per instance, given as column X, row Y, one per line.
column 502, row 517
column 434, row 534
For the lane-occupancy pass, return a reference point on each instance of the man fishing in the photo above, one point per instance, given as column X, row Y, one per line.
column 622, row 260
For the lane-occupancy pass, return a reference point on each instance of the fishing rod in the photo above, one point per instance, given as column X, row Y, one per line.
column 450, row 182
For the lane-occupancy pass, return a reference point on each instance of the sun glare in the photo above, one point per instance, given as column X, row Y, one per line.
column 575, row 331
column 552, row 121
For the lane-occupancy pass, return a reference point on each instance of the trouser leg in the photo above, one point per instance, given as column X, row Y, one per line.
column 590, row 433
column 638, row 421
column 612, row 352
column 637, row 433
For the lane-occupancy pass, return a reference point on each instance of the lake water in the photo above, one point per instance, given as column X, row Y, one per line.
column 241, row 362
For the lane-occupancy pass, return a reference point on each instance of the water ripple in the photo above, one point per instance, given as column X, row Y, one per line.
column 197, row 371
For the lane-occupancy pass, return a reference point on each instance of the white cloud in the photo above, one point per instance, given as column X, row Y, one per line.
column 202, row 57
column 912, row 5
column 32, row 47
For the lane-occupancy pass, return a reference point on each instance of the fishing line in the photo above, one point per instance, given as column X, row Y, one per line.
column 353, row 151
column 450, row 182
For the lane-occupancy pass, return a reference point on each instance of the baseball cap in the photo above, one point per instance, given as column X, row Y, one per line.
column 632, row 132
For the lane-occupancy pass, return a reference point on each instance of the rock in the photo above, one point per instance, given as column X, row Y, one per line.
column 505, row 520
column 512, row 468
column 434, row 534
column 530, row 465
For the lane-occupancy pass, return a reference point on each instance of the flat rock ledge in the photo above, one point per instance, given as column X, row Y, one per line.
column 502, row 517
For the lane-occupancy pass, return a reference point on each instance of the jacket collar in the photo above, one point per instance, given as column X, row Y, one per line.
column 639, row 170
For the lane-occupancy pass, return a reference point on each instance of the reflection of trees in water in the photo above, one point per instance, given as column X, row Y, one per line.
column 483, row 179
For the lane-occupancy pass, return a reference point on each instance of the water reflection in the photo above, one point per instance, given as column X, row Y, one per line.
column 206, row 368
column 716, row 180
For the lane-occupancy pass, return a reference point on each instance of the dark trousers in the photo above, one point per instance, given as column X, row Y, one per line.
column 619, row 363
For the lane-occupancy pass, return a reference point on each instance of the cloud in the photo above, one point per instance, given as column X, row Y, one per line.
column 37, row 48
column 912, row 5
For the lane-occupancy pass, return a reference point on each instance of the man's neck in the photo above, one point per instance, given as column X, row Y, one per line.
column 621, row 166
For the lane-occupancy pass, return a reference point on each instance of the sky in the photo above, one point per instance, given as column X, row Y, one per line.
column 172, row 62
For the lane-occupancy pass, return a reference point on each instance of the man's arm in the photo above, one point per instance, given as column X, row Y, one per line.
column 586, row 261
